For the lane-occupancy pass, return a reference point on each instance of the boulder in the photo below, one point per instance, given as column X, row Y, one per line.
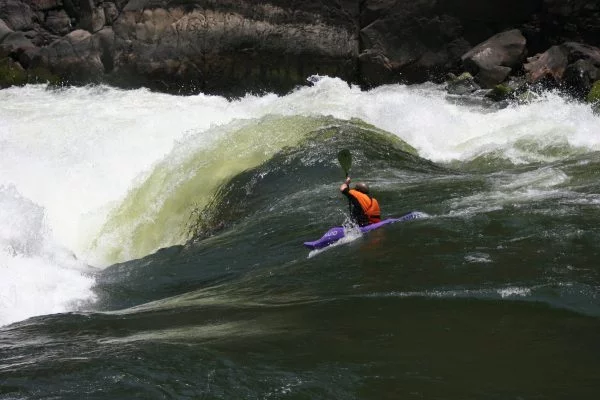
column 492, row 61
column 594, row 94
column 45, row 5
column 58, row 22
column 110, row 12
column 92, row 20
column 580, row 76
column 551, row 63
column 14, row 43
column 462, row 84
column 408, row 41
column 11, row 73
column 75, row 58
column 17, row 15
column 27, row 56
column 573, row 65
column 4, row 30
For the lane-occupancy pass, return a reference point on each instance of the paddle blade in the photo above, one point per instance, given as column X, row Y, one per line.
column 345, row 159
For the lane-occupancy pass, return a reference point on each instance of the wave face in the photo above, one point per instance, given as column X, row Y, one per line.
column 151, row 244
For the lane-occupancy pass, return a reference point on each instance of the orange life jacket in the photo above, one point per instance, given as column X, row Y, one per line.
column 369, row 205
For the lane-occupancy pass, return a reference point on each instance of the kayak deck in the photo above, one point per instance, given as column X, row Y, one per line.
column 336, row 233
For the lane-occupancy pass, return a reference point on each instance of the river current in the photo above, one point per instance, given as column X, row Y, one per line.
column 151, row 246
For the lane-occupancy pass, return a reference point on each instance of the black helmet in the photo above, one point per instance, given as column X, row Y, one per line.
column 362, row 187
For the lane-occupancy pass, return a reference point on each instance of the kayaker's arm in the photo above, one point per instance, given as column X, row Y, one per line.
column 345, row 186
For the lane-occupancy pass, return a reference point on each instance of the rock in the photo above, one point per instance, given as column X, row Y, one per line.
column 375, row 68
column 45, row 5
column 110, row 12
column 17, row 15
column 500, row 92
column 409, row 41
column 11, row 73
column 461, row 85
column 4, row 30
column 75, row 58
column 14, row 43
column 572, row 20
column 573, row 64
column 42, row 75
column 594, row 94
column 105, row 41
column 235, row 46
column 27, row 56
column 493, row 60
column 511, row 89
column 551, row 63
column 92, row 18
column 58, row 22
column 580, row 76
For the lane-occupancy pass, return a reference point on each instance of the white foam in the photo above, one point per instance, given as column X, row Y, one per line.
column 36, row 275
column 515, row 190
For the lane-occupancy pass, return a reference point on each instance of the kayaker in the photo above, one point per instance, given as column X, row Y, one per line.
column 364, row 209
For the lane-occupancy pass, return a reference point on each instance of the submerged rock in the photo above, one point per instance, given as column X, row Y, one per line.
column 461, row 85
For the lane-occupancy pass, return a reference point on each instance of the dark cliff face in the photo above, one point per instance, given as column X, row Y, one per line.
column 234, row 46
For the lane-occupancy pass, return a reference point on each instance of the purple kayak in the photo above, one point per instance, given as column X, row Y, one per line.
column 337, row 233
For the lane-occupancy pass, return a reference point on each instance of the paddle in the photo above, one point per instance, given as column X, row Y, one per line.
column 345, row 160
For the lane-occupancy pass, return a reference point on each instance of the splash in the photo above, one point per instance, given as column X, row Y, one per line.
column 37, row 276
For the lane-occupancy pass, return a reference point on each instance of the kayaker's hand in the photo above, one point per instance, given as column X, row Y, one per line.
column 345, row 185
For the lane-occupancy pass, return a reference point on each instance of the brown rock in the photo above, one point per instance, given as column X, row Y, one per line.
column 554, row 62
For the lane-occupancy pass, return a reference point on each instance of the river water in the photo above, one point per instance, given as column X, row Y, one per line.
column 151, row 246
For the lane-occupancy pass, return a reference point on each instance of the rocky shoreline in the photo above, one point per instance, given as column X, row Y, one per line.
column 232, row 47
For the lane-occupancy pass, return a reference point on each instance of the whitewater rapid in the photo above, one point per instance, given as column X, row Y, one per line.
column 69, row 156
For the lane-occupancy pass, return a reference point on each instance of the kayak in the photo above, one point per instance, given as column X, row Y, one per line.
column 336, row 233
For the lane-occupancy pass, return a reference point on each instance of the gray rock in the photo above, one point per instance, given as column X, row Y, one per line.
column 17, row 15
column 12, row 73
column 58, row 22
column 75, row 58
column 45, row 5
column 110, row 12
column 492, row 61
column 580, row 76
column 14, row 43
column 92, row 18
column 4, row 30
column 408, row 41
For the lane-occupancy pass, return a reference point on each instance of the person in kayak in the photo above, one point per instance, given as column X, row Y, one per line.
column 364, row 209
